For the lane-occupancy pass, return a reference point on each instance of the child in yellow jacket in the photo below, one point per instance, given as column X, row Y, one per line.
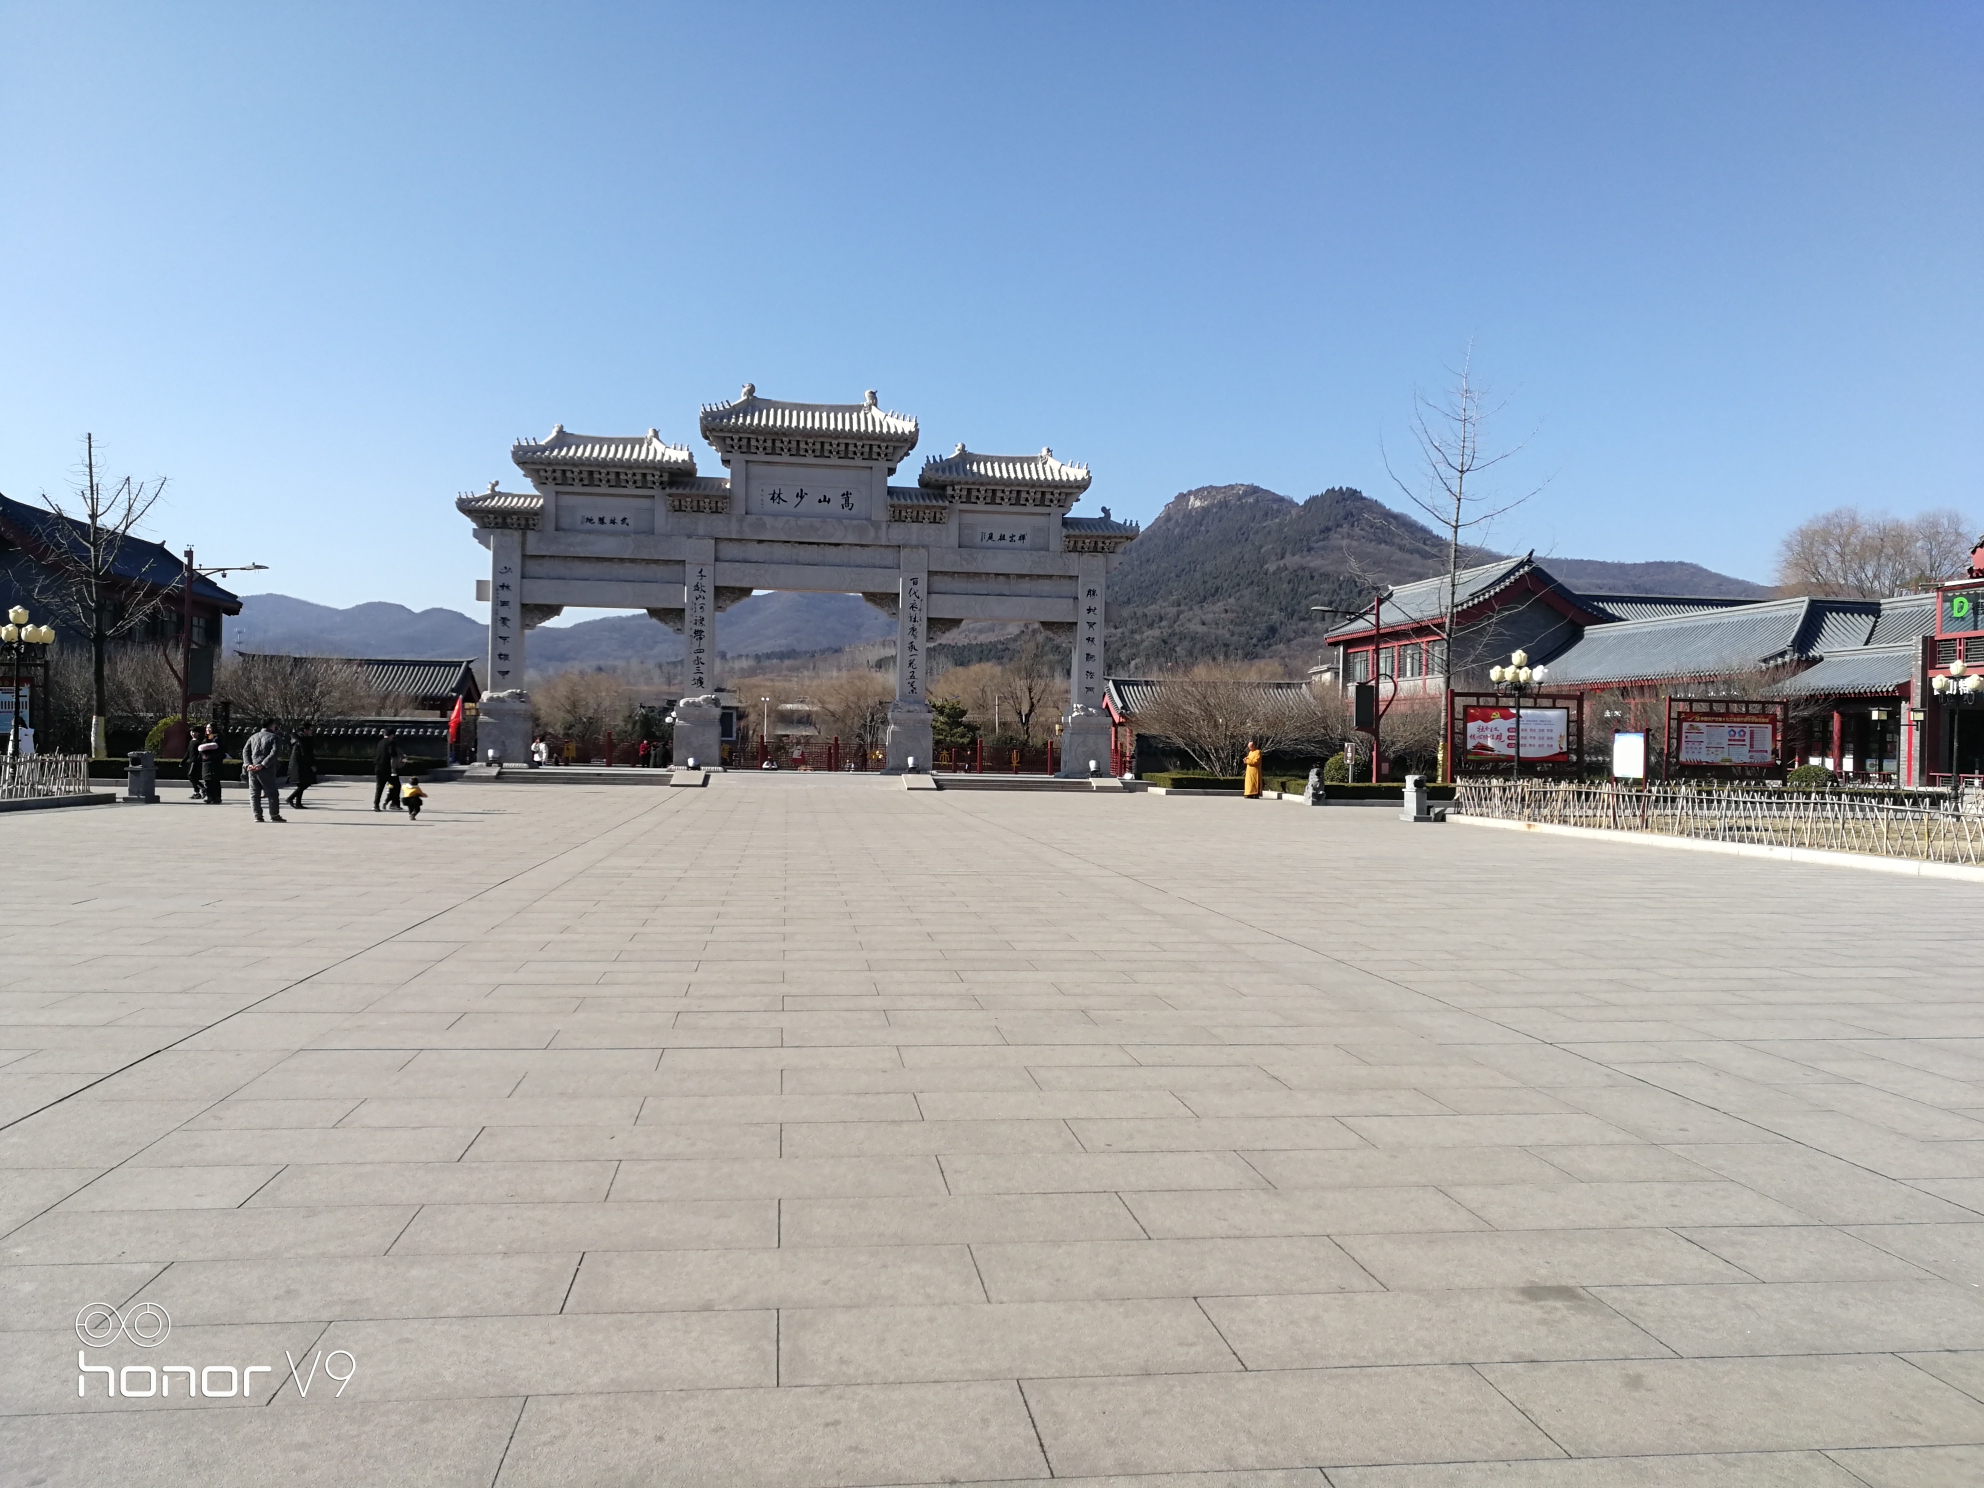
column 412, row 795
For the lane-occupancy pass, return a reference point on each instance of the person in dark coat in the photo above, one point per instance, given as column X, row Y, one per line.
column 209, row 753
column 302, row 764
column 386, row 763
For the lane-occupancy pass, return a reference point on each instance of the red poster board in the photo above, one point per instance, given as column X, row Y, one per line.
column 1489, row 734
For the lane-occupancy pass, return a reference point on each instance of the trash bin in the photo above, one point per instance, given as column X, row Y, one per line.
column 141, row 776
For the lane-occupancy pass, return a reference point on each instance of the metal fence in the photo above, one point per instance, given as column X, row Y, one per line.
column 1921, row 825
column 27, row 777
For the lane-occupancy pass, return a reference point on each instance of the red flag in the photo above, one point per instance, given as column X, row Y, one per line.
column 455, row 723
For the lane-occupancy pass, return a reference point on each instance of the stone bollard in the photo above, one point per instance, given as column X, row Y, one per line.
column 1416, row 809
column 141, row 776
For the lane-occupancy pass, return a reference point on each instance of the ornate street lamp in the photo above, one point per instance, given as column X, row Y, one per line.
column 1517, row 678
column 18, row 635
column 1960, row 686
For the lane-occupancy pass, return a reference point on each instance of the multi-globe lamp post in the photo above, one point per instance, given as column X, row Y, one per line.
column 1517, row 678
column 1960, row 686
column 18, row 635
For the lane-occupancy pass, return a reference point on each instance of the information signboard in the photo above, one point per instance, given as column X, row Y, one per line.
column 7, row 706
column 1629, row 756
column 1728, row 738
column 1491, row 734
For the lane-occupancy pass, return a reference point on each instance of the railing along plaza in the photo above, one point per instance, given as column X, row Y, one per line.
column 1923, row 825
column 33, row 776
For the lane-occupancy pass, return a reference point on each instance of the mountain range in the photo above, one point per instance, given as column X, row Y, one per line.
column 1222, row 572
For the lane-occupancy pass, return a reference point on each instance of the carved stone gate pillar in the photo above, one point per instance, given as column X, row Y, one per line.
column 909, row 715
column 1085, row 731
column 503, row 716
column 698, row 716
column 506, row 611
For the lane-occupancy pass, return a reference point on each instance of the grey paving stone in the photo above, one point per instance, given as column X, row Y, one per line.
column 572, row 1354
column 1417, row 1167
column 777, row 1178
column 1805, row 1317
column 1283, row 1418
column 602, row 1143
column 1620, row 1205
column 1915, row 1467
column 172, row 1188
column 784, row 1438
column 1303, row 1212
column 361, row 1287
column 435, row 1183
column 1803, row 1253
column 1430, row 1327
column 849, row 1276
column 879, row 1138
column 1965, row 1370
column 1216, row 1133
column 454, row 1444
column 1093, row 1172
column 1737, row 1405
column 965, row 1218
column 1536, row 1258
column 204, row 1234
column 887, row 1345
column 1744, row 1470
column 1090, row 1269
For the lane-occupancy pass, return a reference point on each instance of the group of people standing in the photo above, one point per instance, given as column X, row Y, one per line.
column 394, row 786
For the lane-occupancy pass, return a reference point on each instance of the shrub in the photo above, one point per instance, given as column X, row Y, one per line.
column 155, row 740
column 1193, row 780
column 1336, row 769
column 1809, row 777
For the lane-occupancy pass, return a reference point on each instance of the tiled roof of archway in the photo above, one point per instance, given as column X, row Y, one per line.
column 963, row 467
column 603, row 451
column 750, row 414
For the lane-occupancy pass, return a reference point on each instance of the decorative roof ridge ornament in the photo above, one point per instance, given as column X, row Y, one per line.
column 868, row 399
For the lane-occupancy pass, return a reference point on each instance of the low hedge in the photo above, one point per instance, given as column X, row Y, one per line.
column 1193, row 780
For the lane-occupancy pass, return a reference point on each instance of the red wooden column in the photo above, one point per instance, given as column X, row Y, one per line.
column 1838, row 757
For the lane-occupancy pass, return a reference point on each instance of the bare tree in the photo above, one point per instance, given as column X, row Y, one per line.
column 1034, row 679
column 1213, row 713
column 1454, row 469
column 582, row 705
column 292, row 690
column 855, row 706
column 81, row 581
column 1853, row 554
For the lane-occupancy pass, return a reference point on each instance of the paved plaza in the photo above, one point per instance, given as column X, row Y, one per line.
column 809, row 1131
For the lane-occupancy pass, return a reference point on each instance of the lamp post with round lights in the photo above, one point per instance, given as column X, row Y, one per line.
column 1517, row 678
column 18, row 635
column 1961, row 686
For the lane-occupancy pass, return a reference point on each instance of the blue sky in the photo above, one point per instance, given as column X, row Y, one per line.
column 321, row 264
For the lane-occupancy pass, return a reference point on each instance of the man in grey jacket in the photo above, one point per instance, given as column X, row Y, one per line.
column 258, row 763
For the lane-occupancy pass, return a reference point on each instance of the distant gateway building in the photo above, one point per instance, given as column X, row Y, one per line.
column 627, row 523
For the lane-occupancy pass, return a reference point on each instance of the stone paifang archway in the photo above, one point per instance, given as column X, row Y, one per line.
column 628, row 523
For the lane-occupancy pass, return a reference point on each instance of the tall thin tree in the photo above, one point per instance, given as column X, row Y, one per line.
column 1454, row 466
column 86, row 580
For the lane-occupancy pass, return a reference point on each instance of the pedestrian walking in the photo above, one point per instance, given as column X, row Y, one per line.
column 258, row 763
column 1253, row 762
column 413, row 795
column 302, row 764
column 209, row 756
column 644, row 752
column 386, row 763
